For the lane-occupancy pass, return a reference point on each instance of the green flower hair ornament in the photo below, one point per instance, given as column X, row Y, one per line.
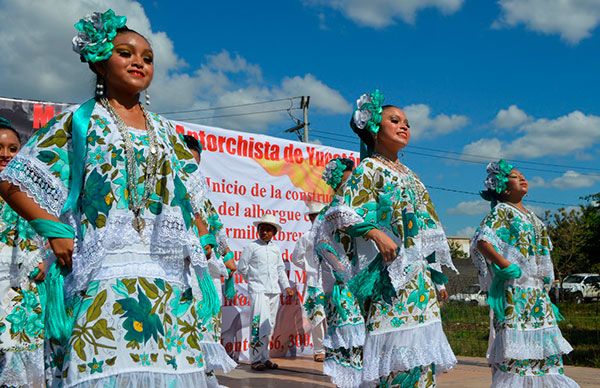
column 368, row 111
column 498, row 173
column 334, row 172
column 5, row 123
column 96, row 33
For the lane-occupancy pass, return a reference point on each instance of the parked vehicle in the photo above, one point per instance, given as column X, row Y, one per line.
column 471, row 295
column 581, row 287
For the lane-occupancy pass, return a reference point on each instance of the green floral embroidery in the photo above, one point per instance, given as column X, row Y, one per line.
column 255, row 340
column 420, row 376
column 420, row 296
column 141, row 323
column 350, row 358
column 95, row 366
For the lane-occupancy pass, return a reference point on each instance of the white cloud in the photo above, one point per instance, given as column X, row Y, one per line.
column 424, row 125
column 42, row 66
column 565, row 135
column 383, row 13
column 569, row 180
column 510, row 118
column 467, row 231
column 487, row 149
column 573, row 20
column 470, row 208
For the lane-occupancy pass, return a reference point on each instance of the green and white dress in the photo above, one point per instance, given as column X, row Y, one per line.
column 215, row 355
column 136, row 318
column 527, row 348
column 21, row 310
column 345, row 334
column 405, row 343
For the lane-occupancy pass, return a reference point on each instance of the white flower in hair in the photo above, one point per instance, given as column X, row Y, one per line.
column 361, row 118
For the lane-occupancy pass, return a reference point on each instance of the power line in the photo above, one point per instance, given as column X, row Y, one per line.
column 487, row 157
column 232, row 106
column 477, row 194
column 237, row 114
column 456, row 190
column 473, row 161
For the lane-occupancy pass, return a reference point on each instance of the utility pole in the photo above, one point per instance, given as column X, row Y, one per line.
column 304, row 105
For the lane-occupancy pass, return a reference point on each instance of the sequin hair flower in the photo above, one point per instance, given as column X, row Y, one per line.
column 334, row 172
column 368, row 111
column 497, row 178
column 96, row 33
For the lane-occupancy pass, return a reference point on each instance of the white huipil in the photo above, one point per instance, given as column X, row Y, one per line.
column 262, row 267
column 305, row 258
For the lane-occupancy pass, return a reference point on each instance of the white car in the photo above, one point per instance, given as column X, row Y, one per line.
column 471, row 295
column 582, row 287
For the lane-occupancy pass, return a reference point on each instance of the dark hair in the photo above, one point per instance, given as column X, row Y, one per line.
column 6, row 124
column 492, row 196
column 99, row 79
column 349, row 163
column 364, row 134
column 192, row 143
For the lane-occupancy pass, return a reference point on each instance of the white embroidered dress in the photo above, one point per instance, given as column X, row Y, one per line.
column 136, row 318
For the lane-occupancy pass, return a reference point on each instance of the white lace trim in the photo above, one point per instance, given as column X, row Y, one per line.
column 32, row 178
column 17, row 264
column 198, row 189
column 167, row 240
column 341, row 217
column 22, row 369
column 511, row 380
column 342, row 376
column 403, row 350
column 410, row 260
column 532, row 272
column 534, row 344
column 216, row 357
column 131, row 379
column 347, row 336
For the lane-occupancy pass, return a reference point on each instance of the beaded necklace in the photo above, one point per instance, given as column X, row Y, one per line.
column 137, row 204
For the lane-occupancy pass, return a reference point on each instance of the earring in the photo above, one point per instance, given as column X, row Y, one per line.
column 147, row 97
column 99, row 88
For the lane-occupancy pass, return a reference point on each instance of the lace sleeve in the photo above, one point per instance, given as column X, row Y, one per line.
column 198, row 190
column 43, row 166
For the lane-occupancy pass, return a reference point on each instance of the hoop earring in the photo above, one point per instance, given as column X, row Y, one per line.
column 99, row 88
column 147, row 97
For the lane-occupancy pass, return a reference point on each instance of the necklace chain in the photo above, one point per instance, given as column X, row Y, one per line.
column 397, row 165
column 137, row 203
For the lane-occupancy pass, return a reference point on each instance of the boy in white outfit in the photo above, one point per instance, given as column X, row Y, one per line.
column 262, row 267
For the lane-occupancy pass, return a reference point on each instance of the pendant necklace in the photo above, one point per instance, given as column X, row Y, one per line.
column 137, row 203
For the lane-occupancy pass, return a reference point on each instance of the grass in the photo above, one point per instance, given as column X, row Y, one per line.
column 467, row 329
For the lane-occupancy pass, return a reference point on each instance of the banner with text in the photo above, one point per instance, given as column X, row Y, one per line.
column 249, row 174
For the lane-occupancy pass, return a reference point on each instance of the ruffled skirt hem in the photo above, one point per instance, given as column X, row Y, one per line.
column 348, row 336
column 531, row 344
column 216, row 357
column 502, row 379
column 406, row 349
column 342, row 376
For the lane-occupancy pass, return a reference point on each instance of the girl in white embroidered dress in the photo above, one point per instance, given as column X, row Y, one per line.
column 137, row 322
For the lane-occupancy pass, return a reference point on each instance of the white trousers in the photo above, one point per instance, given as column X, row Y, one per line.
column 264, row 313
column 318, row 332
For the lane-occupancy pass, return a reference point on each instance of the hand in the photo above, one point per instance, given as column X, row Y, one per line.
column 208, row 251
column 289, row 291
column 42, row 275
column 443, row 295
column 386, row 246
column 230, row 264
column 63, row 250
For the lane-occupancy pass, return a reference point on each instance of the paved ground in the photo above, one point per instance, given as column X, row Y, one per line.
column 303, row 372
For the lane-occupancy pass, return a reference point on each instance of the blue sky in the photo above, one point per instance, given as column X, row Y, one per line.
column 513, row 78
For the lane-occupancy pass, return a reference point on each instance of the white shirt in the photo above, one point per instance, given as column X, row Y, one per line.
column 262, row 267
column 304, row 257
